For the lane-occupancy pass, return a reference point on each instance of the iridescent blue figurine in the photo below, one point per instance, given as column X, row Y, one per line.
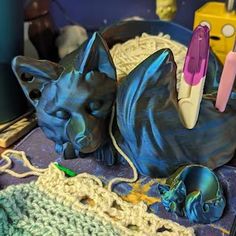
column 195, row 192
column 74, row 99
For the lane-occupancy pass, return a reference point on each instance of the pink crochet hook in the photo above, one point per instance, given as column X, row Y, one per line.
column 227, row 80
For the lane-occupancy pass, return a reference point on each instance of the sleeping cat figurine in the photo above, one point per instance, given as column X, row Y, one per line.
column 195, row 192
column 74, row 99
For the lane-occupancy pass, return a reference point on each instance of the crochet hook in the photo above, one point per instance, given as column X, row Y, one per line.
column 193, row 77
column 67, row 171
column 226, row 80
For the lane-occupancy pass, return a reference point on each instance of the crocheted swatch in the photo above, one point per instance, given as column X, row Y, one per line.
column 57, row 205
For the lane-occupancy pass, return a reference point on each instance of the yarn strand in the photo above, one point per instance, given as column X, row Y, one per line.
column 121, row 152
column 20, row 155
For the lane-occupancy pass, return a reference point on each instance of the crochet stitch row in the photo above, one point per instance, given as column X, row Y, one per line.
column 26, row 211
column 57, row 205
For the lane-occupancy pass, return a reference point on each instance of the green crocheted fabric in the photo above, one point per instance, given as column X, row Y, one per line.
column 26, row 211
column 55, row 205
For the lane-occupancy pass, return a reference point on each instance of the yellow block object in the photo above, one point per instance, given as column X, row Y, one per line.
column 222, row 26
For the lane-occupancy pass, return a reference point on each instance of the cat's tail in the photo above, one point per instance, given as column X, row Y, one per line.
column 203, row 212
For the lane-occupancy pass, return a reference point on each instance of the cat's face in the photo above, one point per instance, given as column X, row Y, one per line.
column 77, row 110
column 73, row 103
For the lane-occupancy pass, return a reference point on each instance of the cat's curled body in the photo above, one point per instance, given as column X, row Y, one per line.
column 74, row 100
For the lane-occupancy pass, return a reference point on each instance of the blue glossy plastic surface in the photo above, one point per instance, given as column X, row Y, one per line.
column 73, row 100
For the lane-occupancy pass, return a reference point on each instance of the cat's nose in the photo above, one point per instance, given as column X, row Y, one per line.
column 83, row 140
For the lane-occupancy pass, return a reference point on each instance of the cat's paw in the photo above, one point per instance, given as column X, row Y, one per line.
column 106, row 154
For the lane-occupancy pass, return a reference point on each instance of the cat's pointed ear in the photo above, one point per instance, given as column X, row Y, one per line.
column 152, row 80
column 180, row 187
column 34, row 74
column 162, row 188
column 159, row 71
column 96, row 56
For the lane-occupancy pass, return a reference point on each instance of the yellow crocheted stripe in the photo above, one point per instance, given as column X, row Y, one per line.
column 85, row 193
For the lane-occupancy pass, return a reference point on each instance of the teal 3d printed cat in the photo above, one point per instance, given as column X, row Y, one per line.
column 74, row 99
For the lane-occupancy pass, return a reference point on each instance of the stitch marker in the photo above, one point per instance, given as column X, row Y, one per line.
column 67, row 171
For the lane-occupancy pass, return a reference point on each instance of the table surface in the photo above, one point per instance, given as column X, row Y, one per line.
column 40, row 151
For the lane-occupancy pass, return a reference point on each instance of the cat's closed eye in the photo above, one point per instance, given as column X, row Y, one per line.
column 62, row 114
column 94, row 107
